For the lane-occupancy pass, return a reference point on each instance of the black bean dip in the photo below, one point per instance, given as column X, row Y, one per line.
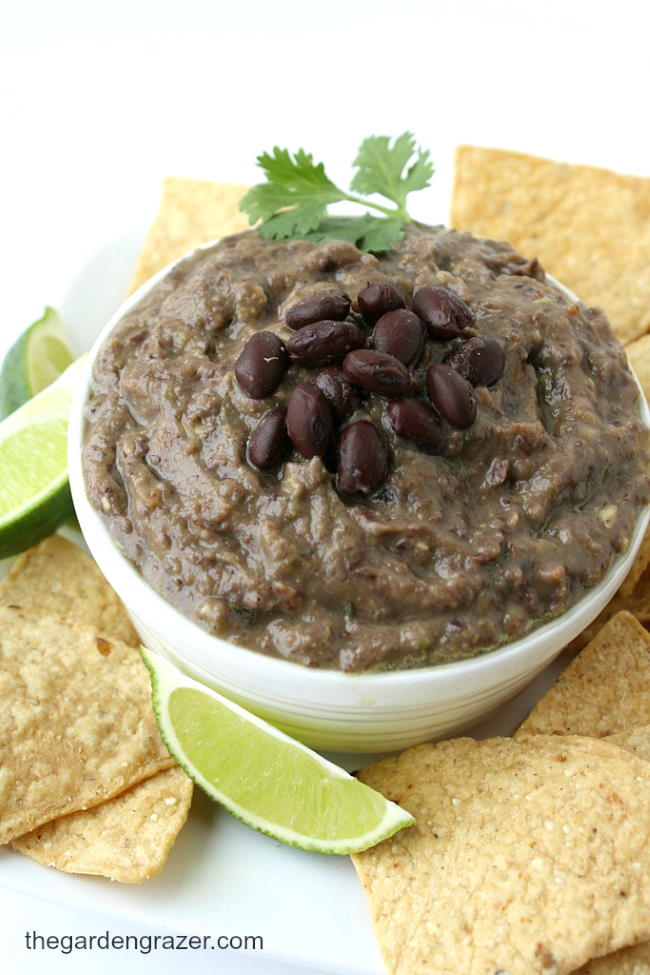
column 485, row 506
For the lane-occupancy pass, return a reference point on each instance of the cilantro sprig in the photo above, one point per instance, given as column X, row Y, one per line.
column 294, row 199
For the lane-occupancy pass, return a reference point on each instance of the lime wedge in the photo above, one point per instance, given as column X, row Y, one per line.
column 34, row 361
column 34, row 493
column 269, row 781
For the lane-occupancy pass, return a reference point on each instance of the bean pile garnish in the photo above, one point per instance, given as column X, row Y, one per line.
column 420, row 424
column 333, row 305
column 309, row 420
column 377, row 372
column 400, row 333
column 444, row 313
column 324, row 343
column 354, row 365
column 262, row 364
column 342, row 396
column 376, row 299
column 362, row 459
column 269, row 442
column 479, row 360
column 451, row 395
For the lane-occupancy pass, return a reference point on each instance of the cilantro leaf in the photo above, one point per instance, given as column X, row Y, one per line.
column 294, row 222
column 380, row 167
column 368, row 233
column 299, row 188
column 294, row 199
column 298, row 173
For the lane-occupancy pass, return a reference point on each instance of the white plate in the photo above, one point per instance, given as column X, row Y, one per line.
column 222, row 877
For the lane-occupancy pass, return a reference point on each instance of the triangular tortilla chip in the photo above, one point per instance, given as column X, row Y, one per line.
column 589, row 227
column 605, row 690
column 76, row 723
column 192, row 212
column 55, row 578
column 127, row 838
column 563, row 707
column 528, row 856
column 628, row 961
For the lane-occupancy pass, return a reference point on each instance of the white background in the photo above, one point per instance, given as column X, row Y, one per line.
column 99, row 101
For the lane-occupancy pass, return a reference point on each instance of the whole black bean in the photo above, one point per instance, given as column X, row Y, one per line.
column 324, row 343
column 400, row 333
column 377, row 372
column 342, row 396
column 262, row 364
column 309, row 420
column 378, row 298
column 451, row 395
column 362, row 459
column 328, row 305
column 481, row 360
column 418, row 423
column 269, row 443
column 443, row 312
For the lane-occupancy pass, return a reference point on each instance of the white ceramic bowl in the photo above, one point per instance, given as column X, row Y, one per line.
column 329, row 709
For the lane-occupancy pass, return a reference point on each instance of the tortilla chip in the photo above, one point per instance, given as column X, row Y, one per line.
column 629, row 961
column 589, row 227
column 528, row 856
column 637, row 603
column 56, row 578
column 76, row 723
column 634, row 960
column 604, row 691
column 127, row 838
column 636, row 740
column 192, row 212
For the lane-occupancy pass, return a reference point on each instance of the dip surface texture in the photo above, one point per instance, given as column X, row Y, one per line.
column 455, row 553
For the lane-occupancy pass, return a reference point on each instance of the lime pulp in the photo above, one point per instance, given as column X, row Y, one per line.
column 271, row 782
column 34, row 491
column 35, row 360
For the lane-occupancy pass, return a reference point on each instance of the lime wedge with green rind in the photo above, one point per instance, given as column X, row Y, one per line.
column 34, row 493
column 35, row 360
column 272, row 783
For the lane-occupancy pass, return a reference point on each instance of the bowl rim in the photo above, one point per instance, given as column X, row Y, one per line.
column 123, row 576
